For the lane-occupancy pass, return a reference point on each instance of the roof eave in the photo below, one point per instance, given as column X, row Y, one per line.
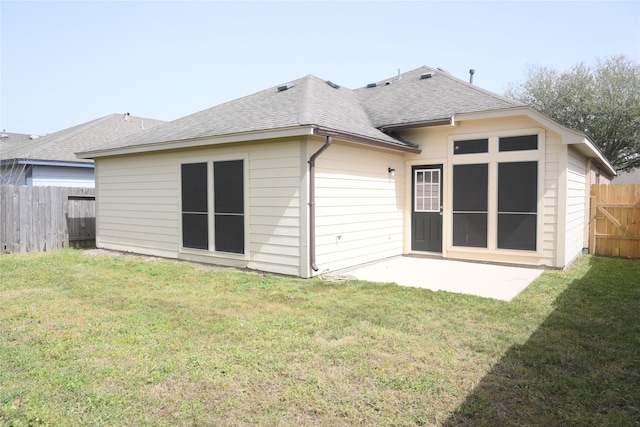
column 199, row 142
column 37, row 162
column 445, row 121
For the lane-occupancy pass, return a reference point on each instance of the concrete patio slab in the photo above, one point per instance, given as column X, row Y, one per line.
column 485, row 280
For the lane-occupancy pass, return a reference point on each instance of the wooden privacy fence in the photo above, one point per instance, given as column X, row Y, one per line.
column 36, row 219
column 615, row 220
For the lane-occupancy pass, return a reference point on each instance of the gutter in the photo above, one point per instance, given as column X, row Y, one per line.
column 312, row 202
column 447, row 121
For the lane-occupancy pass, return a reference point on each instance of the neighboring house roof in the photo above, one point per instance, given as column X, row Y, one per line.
column 421, row 97
column 60, row 147
column 7, row 138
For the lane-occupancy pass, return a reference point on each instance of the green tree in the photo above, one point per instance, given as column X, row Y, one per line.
column 603, row 101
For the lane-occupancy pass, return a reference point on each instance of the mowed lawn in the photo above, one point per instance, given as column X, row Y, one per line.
column 126, row 340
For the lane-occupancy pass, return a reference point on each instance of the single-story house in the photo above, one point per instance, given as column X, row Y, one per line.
column 309, row 176
column 50, row 160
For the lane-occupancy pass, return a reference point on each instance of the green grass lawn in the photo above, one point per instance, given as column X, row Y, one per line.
column 101, row 340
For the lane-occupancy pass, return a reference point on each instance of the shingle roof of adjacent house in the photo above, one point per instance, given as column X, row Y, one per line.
column 61, row 146
column 311, row 101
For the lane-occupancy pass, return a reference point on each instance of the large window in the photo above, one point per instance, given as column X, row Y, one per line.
column 470, row 208
column 496, row 192
column 228, row 185
column 195, row 215
column 227, row 218
column 517, row 205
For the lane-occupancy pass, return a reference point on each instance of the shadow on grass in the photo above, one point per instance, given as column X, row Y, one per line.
column 580, row 367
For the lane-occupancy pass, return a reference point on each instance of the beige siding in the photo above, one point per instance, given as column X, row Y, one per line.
column 139, row 205
column 359, row 206
column 551, row 193
column 576, row 203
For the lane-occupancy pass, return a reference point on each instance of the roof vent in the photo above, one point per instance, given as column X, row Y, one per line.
column 34, row 137
column 332, row 84
column 285, row 87
column 427, row 75
column 372, row 85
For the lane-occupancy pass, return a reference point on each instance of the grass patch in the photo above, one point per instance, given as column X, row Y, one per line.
column 98, row 340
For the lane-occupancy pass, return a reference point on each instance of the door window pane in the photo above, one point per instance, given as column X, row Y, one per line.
column 427, row 190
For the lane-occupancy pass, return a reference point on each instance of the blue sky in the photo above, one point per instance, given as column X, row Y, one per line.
column 65, row 63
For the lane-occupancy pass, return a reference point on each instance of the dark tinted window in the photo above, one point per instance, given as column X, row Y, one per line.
column 194, row 187
column 228, row 187
column 195, row 218
column 518, row 187
column 470, row 187
column 470, row 229
column 517, row 231
column 470, row 200
column 229, row 233
column 471, row 146
column 195, row 231
column 518, row 143
column 517, row 205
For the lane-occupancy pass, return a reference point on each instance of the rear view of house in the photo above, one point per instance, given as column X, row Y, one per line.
column 309, row 176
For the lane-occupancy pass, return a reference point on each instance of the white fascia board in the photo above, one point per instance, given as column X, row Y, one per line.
column 201, row 142
column 570, row 136
column 56, row 163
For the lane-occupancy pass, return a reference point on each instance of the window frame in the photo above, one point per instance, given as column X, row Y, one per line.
column 493, row 157
column 210, row 160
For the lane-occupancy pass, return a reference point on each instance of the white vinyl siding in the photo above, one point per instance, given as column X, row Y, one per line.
column 59, row 176
column 576, row 204
column 359, row 206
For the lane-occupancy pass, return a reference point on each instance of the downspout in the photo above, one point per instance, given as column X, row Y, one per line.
column 312, row 202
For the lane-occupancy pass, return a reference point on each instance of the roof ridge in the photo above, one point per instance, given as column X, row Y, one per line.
column 305, row 111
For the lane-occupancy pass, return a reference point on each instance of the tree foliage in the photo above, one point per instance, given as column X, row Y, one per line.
column 603, row 101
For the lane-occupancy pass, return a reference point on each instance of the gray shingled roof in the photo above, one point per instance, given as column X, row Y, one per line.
column 61, row 146
column 311, row 101
column 410, row 99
